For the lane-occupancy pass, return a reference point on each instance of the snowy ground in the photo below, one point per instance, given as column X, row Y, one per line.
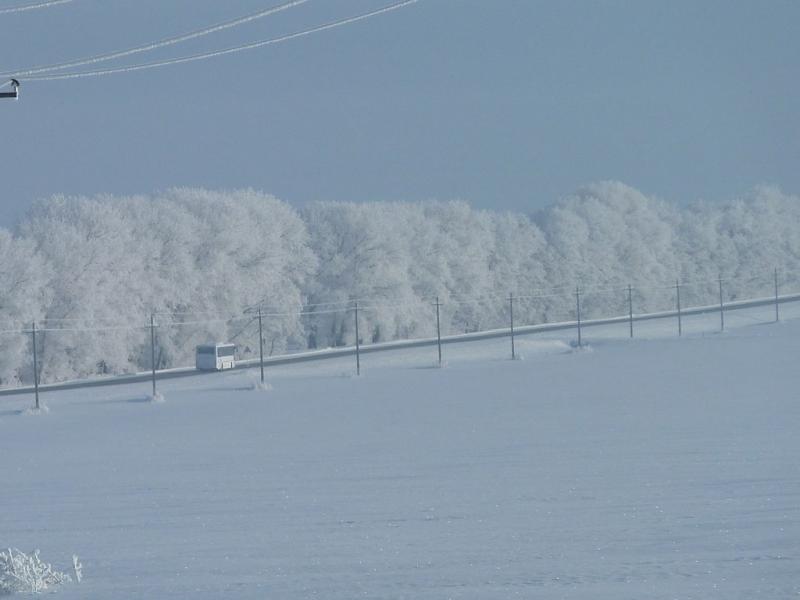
column 658, row 468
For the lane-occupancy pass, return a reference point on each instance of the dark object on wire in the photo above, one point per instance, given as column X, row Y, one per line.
column 14, row 93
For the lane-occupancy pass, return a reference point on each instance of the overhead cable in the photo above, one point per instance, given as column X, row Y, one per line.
column 26, row 7
column 231, row 50
column 158, row 44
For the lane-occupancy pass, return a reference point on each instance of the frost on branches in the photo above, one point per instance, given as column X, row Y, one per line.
column 20, row 572
column 90, row 271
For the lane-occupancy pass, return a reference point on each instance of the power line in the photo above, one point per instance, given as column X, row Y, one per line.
column 91, row 325
column 232, row 50
column 25, row 7
column 344, row 306
column 160, row 43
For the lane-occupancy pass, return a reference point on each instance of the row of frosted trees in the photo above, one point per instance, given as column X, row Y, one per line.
column 91, row 271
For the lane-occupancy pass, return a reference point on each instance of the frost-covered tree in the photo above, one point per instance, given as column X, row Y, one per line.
column 189, row 256
column 91, row 271
column 226, row 254
column 362, row 254
column 23, row 294
column 87, row 246
column 395, row 259
column 610, row 235
column 742, row 242
column 517, row 265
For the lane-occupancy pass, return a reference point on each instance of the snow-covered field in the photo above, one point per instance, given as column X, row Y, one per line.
column 649, row 468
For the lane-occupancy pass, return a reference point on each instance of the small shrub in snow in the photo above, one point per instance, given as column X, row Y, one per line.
column 42, row 410
column 20, row 572
column 158, row 398
column 77, row 568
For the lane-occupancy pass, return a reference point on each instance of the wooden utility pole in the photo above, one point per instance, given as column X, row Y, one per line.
column 153, row 351
column 260, row 345
column 358, row 344
column 438, row 331
column 578, row 313
column 630, row 309
column 35, row 366
column 776, row 296
column 511, row 315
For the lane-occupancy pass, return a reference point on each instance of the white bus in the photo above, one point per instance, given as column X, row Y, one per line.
column 215, row 357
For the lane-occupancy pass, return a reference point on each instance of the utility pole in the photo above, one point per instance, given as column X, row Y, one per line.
column 721, row 307
column 153, row 351
column 260, row 345
column 438, row 331
column 678, row 297
column 776, row 296
column 358, row 343
column 630, row 308
column 578, row 313
column 511, row 313
column 35, row 366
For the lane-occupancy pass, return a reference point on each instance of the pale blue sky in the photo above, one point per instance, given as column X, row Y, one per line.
column 506, row 104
